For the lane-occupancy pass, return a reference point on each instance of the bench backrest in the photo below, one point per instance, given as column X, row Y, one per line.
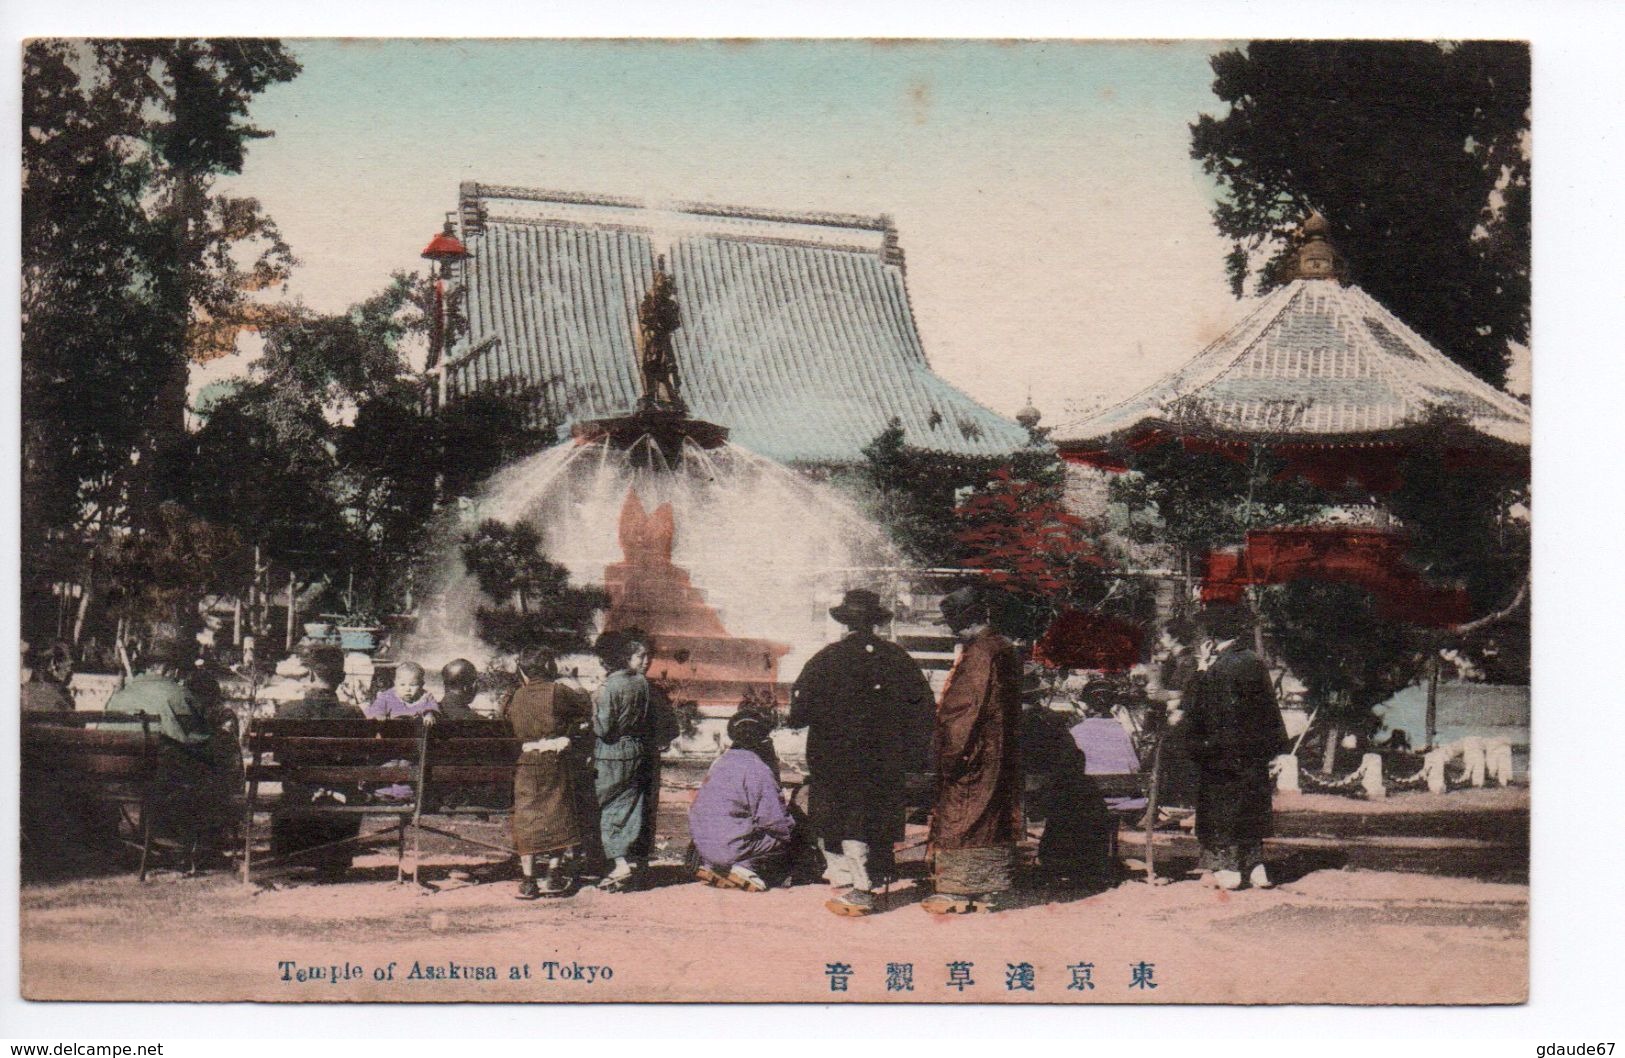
column 350, row 750
column 90, row 746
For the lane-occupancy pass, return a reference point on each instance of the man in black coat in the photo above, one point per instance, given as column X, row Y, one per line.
column 1233, row 729
column 868, row 712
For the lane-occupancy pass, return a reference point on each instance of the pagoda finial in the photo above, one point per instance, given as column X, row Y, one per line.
column 1029, row 415
column 1315, row 258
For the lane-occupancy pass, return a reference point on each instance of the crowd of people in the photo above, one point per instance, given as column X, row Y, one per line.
column 983, row 759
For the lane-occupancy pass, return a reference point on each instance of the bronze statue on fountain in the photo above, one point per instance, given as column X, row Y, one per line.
column 661, row 414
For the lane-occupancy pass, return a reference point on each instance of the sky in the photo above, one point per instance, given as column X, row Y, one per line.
column 1057, row 232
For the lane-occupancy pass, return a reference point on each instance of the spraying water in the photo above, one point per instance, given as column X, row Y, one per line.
column 771, row 549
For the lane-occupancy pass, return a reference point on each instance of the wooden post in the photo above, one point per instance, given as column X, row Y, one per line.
column 293, row 607
column 237, row 621
column 1150, row 817
column 417, row 808
column 84, row 608
column 1432, row 722
column 1334, row 735
column 252, row 799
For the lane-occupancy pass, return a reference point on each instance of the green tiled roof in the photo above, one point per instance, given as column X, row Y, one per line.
column 797, row 332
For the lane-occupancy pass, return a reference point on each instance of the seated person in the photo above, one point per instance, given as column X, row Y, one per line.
column 1108, row 749
column 323, row 670
column 406, row 698
column 186, row 804
column 739, row 823
column 1076, row 842
column 225, row 745
column 47, row 688
column 460, row 698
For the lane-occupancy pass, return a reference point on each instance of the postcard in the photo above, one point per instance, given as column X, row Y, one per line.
column 816, row 521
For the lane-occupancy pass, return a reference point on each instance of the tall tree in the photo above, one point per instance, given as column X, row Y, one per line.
column 1417, row 155
column 132, row 266
column 340, row 466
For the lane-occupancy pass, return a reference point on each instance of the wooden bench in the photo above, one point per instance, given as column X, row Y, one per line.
column 439, row 763
column 108, row 758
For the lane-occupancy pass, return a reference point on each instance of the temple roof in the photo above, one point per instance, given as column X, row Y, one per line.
column 797, row 332
column 1316, row 361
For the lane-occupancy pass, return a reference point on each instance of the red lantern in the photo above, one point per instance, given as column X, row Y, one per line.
column 443, row 249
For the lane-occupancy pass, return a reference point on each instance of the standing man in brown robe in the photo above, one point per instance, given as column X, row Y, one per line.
column 554, row 724
column 977, row 821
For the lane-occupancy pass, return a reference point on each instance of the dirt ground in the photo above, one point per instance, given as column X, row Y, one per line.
column 1345, row 926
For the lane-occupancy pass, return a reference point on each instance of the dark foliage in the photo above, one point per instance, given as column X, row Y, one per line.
column 1415, row 153
column 132, row 267
column 537, row 606
column 914, row 492
column 1336, row 639
column 1196, row 501
column 1036, row 554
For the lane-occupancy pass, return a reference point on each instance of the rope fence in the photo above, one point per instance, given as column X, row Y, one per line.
column 1468, row 762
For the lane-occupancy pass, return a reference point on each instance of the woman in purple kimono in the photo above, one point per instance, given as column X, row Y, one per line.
column 740, row 826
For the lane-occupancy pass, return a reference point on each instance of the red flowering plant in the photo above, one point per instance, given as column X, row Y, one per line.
column 1040, row 556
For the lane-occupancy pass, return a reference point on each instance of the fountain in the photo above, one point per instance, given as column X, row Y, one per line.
column 691, row 649
column 727, row 559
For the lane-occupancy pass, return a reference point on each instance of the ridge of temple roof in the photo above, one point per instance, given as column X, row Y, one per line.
column 1316, row 361
column 797, row 331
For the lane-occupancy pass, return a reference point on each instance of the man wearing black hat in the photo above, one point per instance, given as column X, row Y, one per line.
column 977, row 820
column 867, row 709
column 1234, row 729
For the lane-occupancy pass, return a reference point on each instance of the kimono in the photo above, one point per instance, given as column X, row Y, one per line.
column 1179, row 777
column 977, row 821
column 1078, row 828
column 1234, row 729
column 187, row 805
column 388, row 705
column 546, row 803
column 738, row 816
column 867, row 709
column 628, row 763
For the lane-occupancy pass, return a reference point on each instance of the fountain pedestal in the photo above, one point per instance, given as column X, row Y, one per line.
column 692, row 651
column 668, row 428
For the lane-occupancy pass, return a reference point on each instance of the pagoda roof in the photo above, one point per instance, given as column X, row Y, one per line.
column 797, row 334
column 1317, row 361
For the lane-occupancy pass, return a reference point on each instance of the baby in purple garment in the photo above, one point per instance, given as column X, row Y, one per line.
column 406, row 698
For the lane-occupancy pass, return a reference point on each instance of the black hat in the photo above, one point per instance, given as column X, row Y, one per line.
column 964, row 607
column 860, row 607
column 1223, row 621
